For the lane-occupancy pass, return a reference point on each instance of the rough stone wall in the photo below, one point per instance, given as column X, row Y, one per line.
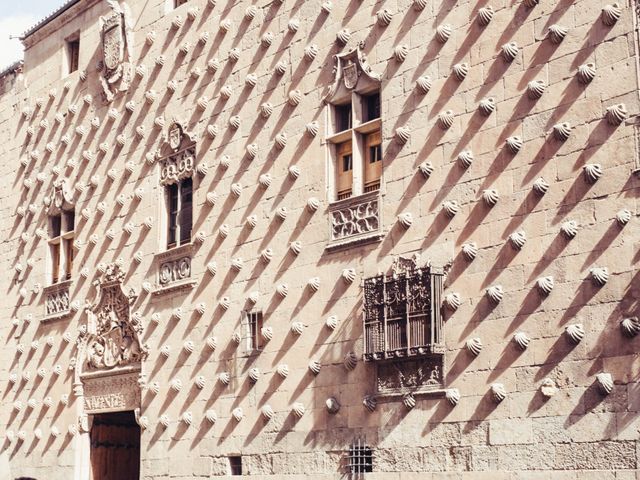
column 576, row 433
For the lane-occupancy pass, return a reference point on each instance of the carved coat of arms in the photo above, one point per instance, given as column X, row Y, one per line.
column 111, row 339
column 115, row 35
column 177, row 155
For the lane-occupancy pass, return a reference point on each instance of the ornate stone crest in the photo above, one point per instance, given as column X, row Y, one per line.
column 111, row 339
column 352, row 71
column 177, row 154
column 115, row 36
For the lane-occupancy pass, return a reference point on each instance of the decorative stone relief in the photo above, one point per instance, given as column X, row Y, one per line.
column 630, row 326
column 56, row 300
column 115, row 34
column 605, row 383
column 354, row 217
column 177, row 155
column 575, row 333
column 351, row 68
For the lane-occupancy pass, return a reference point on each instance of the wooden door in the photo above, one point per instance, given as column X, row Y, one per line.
column 115, row 447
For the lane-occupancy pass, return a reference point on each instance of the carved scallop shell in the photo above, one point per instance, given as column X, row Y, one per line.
column 403, row 134
column 426, row 169
column 445, row 119
column 349, row 275
column 267, row 412
column 470, row 250
column 311, row 51
column 599, row 275
column 370, row 402
column 460, row 70
column 451, row 208
column 225, row 92
column 314, row 283
column 586, row 72
column 518, row 239
column 495, row 293
column 234, row 122
column 409, row 401
column 443, row 32
column 295, row 97
column 267, row 39
column 453, row 301
column 297, row 328
column 203, row 103
column 266, row 109
column 298, row 409
column 281, row 67
column 236, row 189
column 487, row 106
column 405, row 219
column 531, row 3
column 266, row 255
column 254, row 374
column 540, row 186
column 350, row 360
column 331, row 322
column 569, row 228
column 575, row 332
column 283, row 290
column 498, row 392
column 281, row 140
column 485, row 15
column 630, row 326
column 419, row 4
column 400, row 53
column 267, row 333
column 535, row 89
column 491, row 196
column 623, row 217
column 509, row 51
column 293, row 25
column 424, row 84
column 224, row 378
column 474, row 346
column 238, row 414
column 234, row 55
column 295, row 247
column 465, row 158
column 592, row 172
column 610, row 14
column 545, row 285
column 212, row 343
column 452, row 395
column 605, row 383
column 522, row 340
column 237, row 264
column 313, row 204
column 616, row 114
column 343, row 36
column 251, row 80
column 315, row 366
column 384, row 17
column 312, row 128
column 556, row 33
column 562, row 131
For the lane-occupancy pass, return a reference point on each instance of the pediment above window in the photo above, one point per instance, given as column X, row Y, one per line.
column 352, row 73
column 177, row 154
column 60, row 197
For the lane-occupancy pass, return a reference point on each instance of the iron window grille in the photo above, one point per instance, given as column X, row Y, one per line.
column 402, row 316
column 360, row 458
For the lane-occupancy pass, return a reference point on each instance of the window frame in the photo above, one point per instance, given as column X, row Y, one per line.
column 361, row 127
column 60, row 240
column 174, row 215
column 252, row 322
column 72, row 53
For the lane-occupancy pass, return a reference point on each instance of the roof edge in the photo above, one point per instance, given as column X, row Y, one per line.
column 55, row 14
column 15, row 66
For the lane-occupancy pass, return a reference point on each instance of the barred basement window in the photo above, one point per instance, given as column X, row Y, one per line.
column 360, row 458
column 403, row 327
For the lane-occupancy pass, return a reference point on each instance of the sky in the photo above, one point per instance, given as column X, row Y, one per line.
column 16, row 16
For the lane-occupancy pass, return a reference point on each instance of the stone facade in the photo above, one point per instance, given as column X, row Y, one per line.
column 509, row 142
